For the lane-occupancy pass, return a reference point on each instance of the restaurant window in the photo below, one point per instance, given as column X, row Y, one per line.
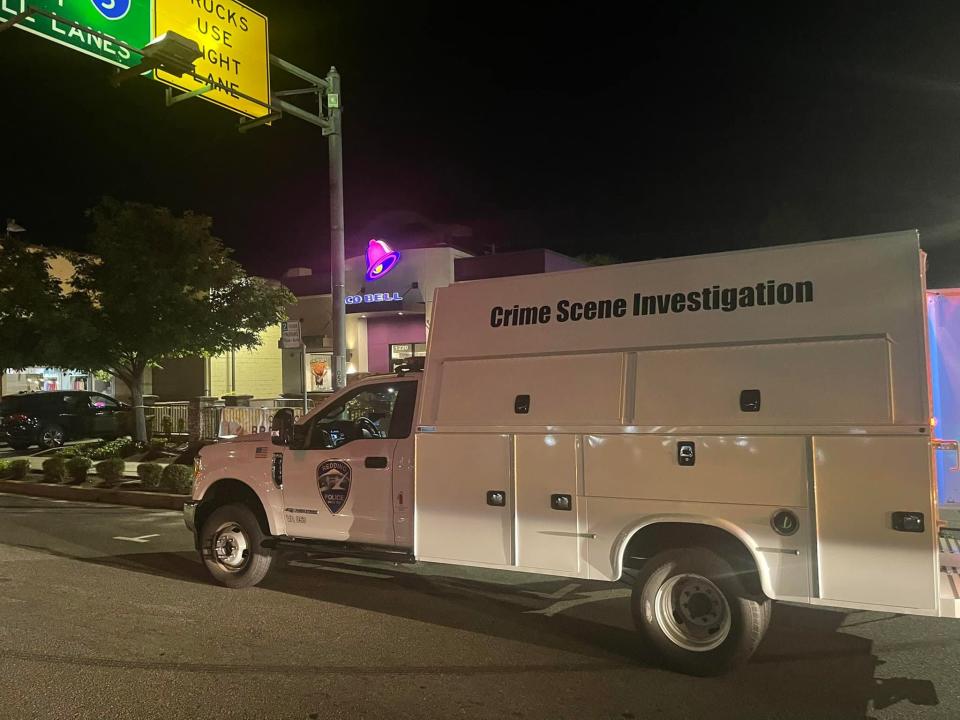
column 319, row 375
column 400, row 353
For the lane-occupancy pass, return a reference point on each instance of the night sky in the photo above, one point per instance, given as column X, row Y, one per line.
column 669, row 130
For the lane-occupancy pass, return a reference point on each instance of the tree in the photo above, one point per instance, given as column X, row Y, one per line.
column 157, row 285
column 31, row 301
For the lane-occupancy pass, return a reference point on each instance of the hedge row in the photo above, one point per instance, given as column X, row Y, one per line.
column 57, row 469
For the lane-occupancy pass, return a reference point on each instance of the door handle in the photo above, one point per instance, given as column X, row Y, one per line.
column 375, row 463
column 497, row 498
column 908, row 521
column 276, row 469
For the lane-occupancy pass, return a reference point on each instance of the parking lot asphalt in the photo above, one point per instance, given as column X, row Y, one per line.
column 106, row 612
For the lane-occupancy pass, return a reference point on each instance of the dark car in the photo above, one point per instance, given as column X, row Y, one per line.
column 49, row 419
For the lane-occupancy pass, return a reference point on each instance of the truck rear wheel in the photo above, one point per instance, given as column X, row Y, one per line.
column 693, row 609
column 231, row 547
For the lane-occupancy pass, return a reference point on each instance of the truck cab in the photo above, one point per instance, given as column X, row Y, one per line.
column 341, row 474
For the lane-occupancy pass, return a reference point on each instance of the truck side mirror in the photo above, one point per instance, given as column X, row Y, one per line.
column 281, row 429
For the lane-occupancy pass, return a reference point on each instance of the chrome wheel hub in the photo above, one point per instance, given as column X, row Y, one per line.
column 692, row 612
column 231, row 547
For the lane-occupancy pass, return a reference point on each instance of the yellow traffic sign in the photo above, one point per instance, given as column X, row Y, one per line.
column 235, row 46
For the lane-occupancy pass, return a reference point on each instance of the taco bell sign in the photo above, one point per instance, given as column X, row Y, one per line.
column 369, row 298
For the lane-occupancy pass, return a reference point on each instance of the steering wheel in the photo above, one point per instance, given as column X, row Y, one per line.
column 332, row 434
column 365, row 423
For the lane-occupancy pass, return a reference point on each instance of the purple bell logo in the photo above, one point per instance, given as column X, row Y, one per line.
column 380, row 259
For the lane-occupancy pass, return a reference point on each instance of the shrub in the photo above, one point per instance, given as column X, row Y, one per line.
column 16, row 469
column 110, row 470
column 83, row 450
column 77, row 468
column 149, row 474
column 54, row 470
column 177, row 479
column 119, row 448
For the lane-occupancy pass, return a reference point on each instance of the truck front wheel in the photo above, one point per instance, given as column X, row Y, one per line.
column 693, row 609
column 231, row 547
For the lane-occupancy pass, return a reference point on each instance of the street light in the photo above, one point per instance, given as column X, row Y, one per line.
column 170, row 52
column 12, row 227
column 173, row 53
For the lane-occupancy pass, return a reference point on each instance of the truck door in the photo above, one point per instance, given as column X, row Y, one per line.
column 339, row 485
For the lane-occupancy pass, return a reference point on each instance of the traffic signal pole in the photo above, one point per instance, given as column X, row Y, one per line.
column 337, row 253
column 328, row 118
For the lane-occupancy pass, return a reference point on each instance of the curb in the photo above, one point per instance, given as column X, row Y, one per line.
column 137, row 498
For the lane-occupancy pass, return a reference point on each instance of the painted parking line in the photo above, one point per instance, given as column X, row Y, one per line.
column 141, row 539
column 562, row 592
column 565, row 598
column 583, row 598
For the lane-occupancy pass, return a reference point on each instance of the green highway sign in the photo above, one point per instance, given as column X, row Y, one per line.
column 129, row 21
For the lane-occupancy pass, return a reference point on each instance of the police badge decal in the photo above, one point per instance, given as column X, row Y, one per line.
column 333, row 481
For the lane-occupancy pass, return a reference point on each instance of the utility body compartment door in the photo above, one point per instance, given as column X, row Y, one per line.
column 499, row 500
column 548, row 508
column 464, row 510
column 861, row 483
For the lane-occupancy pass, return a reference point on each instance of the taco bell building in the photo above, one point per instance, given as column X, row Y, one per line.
column 388, row 313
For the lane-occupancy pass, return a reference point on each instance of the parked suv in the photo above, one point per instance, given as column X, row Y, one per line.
column 48, row 419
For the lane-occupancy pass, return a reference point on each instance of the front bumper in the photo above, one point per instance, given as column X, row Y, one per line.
column 190, row 514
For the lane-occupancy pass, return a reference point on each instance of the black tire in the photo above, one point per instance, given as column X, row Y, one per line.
column 19, row 447
column 222, row 536
column 52, row 436
column 708, row 635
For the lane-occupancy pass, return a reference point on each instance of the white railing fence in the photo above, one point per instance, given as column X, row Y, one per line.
column 215, row 421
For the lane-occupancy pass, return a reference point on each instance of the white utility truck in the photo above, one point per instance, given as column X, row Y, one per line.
column 733, row 429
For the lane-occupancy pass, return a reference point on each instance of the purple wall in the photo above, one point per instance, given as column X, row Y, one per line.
column 382, row 332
